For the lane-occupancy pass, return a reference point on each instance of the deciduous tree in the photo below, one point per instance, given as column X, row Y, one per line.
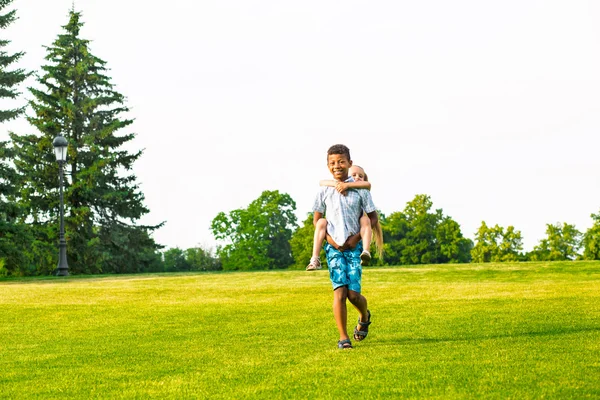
column 562, row 243
column 174, row 260
column 419, row 236
column 200, row 259
column 496, row 244
column 591, row 240
column 301, row 243
column 257, row 237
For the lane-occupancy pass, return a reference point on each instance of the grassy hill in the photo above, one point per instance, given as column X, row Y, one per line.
column 526, row 330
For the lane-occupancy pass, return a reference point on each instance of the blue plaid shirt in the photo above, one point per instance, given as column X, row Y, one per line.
column 343, row 212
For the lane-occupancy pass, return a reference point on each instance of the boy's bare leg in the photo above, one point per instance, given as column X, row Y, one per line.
column 340, row 311
column 360, row 303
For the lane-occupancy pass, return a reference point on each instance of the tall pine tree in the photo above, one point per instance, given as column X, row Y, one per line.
column 103, row 202
column 13, row 237
column 9, row 78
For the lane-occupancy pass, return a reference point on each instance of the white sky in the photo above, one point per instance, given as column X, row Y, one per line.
column 491, row 108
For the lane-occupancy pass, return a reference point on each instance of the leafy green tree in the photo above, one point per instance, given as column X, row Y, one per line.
column 454, row 247
column 301, row 243
column 591, row 240
column 419, row 245
column 562, row 243
column 485, row 244
column 419, row 236
column 174, row 260
column 497, row 245
column 257, row 237
column 395, row 230
column 511, row 246
column 14, row 236
column 103, row 202
column 200, row 259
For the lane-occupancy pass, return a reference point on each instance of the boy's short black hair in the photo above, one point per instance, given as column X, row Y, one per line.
column 339, row 149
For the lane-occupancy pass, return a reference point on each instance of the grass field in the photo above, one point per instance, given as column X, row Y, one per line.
column 520, row 331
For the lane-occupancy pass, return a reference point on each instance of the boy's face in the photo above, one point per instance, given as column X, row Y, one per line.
column 357, row 173
column 338, row 165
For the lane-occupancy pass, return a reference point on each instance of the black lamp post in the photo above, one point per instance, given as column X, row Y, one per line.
column 60, row 150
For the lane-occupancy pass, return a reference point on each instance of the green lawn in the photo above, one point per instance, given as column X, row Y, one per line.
column 520, row 331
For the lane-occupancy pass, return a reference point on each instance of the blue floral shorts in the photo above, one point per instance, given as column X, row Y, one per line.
column 344, row 267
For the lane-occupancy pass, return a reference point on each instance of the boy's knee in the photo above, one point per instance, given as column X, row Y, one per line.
column 353, row 296
column 341, row 293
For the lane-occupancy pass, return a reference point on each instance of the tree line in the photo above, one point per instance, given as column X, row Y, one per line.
column 74, row 97
column 266, row 234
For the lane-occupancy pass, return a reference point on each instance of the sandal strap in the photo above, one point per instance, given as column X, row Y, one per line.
column 360, row 333
column 365, row 324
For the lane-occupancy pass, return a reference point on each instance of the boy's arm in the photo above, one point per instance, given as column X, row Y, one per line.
column 316, row 217
column 373, row 218
column 351, row 242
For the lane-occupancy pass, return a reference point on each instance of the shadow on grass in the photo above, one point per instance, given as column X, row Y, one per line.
column 551, row 332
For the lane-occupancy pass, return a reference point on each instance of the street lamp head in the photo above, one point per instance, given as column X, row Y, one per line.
column 60, row 148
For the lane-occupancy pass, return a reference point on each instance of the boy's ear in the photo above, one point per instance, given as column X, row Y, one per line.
column 350, row 162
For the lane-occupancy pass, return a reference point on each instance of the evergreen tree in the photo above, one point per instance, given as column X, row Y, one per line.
column 102, row 199
column 13, row 236
column 9, row 78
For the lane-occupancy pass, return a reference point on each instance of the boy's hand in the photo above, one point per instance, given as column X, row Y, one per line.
column 352, row 241
column 341, row 187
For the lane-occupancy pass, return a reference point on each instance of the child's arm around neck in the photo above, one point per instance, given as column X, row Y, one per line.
column 346, row 185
